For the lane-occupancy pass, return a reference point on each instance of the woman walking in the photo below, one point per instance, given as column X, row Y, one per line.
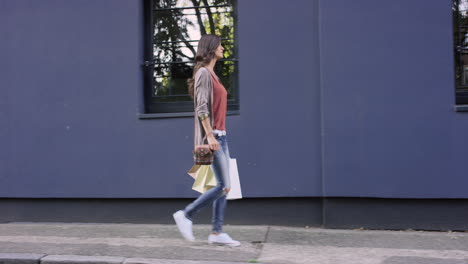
column 210, row 98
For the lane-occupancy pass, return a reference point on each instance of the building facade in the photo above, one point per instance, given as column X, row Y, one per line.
column 347, row 116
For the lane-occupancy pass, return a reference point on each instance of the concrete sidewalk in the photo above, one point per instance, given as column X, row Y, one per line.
column 63, row 243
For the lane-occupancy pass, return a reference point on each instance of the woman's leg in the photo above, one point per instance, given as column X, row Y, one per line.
column 219, row 205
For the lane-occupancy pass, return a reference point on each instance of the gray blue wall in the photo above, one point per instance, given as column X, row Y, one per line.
column 387, row 100
column 364, row 88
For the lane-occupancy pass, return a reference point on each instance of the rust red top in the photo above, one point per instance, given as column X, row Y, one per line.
column 219, row 104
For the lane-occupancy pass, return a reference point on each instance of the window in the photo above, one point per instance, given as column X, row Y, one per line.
column 460, row 40
column 172, row 31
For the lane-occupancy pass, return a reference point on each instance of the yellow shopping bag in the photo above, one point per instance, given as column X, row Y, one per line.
column 204, row 178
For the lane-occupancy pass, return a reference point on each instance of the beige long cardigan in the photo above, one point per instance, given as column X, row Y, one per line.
column 203, row 102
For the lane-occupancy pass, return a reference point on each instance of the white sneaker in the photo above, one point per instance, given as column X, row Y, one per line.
column 184, row 224
column 223, row 239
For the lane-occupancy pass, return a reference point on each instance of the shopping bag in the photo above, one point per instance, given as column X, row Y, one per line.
column 204, row 178
column 235, row 192
column 194, row 171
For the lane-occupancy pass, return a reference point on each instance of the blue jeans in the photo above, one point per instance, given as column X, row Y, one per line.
column 217, row 194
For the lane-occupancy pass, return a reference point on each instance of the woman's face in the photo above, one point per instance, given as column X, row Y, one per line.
column 219, row 53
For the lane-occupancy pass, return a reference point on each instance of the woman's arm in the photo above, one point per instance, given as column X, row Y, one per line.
column 214, row 144
column 202, row 95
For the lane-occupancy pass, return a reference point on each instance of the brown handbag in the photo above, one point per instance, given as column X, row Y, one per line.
column 203, row 155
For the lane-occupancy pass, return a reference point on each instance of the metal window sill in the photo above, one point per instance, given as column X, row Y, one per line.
column 460, row 108
column 175, row 115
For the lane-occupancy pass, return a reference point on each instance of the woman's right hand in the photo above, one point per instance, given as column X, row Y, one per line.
column 214, row 144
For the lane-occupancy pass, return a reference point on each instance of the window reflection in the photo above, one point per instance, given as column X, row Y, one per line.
column 178, row 24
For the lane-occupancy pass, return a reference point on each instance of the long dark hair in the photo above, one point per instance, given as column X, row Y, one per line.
column 207, row 46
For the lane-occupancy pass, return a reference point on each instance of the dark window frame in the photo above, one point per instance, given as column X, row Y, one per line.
column 461, row 91
column 155, row 109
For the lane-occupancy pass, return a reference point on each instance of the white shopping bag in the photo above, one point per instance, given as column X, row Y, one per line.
column 235, row 192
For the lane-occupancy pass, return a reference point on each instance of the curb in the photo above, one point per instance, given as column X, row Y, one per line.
column 27, row 258
column 14, row 258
